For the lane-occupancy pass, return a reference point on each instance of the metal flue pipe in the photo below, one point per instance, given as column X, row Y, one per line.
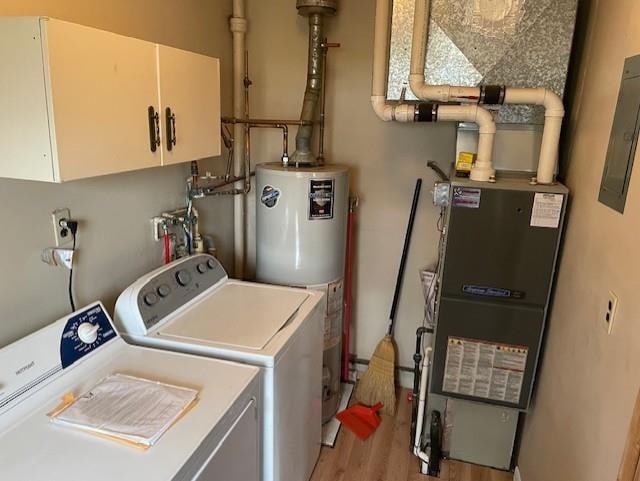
column 316, row 10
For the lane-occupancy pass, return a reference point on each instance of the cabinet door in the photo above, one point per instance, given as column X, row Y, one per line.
column 25, row 150
column 101, row 86
column 190, row 88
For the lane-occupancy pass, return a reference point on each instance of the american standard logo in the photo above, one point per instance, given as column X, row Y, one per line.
column 25, row 368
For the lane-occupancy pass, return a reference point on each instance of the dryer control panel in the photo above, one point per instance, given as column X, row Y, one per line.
column 171, row 287
column 30, row 362
column 84, row 332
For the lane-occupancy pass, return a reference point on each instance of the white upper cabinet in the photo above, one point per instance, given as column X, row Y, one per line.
column 189, row 105
column 79, row 102
column 101, row 86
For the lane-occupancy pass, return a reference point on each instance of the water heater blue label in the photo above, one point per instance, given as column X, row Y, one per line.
column 468, row 197
column 270, row 196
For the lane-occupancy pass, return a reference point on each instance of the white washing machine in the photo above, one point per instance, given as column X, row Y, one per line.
column 218, row 439
column 192, row 306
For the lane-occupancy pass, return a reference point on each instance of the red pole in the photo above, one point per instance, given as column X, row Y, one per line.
column 348, row 290
column 167, row 247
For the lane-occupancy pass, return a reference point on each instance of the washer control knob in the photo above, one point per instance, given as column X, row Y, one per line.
column 202, row 268
column 150, row 299
column 183, row 277
column 88, row 333
column 211, row 264
column 163, row 290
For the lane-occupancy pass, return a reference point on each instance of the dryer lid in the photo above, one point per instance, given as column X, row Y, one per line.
column 239, row 315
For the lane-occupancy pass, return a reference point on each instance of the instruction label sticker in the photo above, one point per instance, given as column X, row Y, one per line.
column 270, row 196
column 547, row 209
column 468, row 197
column 485, row 370
column 321, row 199
column 332, row 311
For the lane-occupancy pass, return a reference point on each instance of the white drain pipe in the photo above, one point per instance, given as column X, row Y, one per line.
column 238, row 27
column 488, row 94
column 425, row 112
column 422, row 406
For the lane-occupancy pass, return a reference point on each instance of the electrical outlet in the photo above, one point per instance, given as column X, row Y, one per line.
column 63, row 236
column 610, row 311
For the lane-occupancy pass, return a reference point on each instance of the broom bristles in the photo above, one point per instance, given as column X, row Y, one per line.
column 377, row 384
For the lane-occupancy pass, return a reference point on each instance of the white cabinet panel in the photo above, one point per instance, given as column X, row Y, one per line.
column 25, row 147
column 101, row 86
column 189, row 86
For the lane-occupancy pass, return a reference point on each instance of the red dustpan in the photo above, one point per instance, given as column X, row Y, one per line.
column 361, row 420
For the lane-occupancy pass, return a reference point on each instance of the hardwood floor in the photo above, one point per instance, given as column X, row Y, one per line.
column 385, row 456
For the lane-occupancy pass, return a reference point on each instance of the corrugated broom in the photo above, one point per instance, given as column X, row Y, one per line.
column 377, row 384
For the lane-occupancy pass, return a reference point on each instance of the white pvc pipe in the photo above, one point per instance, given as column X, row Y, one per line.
column 238, row 27
column 402, row 112
column 482, row 170
column 422, row 401
column 554, row 109
column 417, row 83
column 383, row 109
column 553, row 115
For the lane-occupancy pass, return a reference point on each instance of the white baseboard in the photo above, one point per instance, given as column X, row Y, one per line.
column 516, row 474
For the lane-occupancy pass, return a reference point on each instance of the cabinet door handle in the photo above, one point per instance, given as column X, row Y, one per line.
column 154, row 128
column 171, row 128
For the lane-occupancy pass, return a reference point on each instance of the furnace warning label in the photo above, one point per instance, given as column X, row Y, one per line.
column 546, row 211
column 484, row 370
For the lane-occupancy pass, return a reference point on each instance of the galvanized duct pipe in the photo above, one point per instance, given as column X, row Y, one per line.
column 316, row 10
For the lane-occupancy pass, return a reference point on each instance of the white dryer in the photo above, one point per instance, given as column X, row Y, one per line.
column 192, row 306
column 218, row 439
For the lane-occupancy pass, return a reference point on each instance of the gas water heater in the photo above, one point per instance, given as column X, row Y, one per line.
column 301, row 225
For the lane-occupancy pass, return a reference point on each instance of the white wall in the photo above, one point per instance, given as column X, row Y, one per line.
column 115, row 243
column 589, row 380
column 385, row 159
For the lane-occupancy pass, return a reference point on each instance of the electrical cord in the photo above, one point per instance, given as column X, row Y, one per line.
column 72, row 226
column 71, row 300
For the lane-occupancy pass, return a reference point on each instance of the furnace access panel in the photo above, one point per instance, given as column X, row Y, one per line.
column 501, row 245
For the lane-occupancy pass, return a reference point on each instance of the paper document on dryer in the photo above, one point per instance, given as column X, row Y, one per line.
column 127, row 408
